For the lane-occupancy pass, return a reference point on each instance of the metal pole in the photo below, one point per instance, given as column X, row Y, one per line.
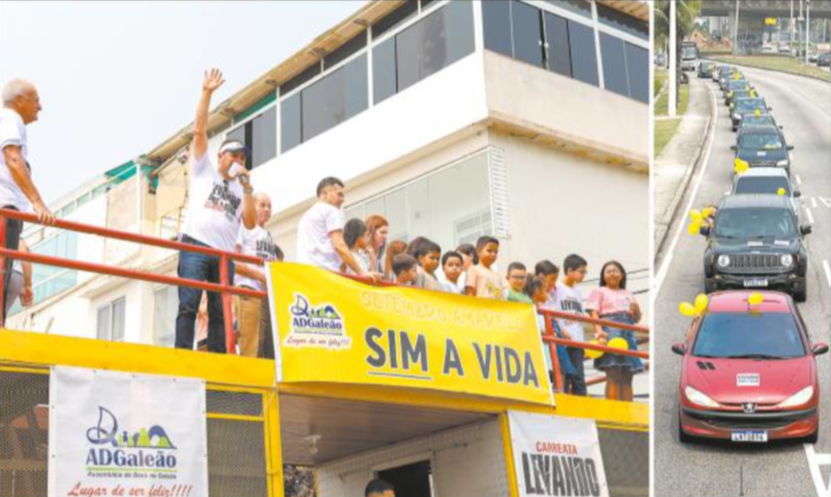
column 790, row 45
column 807, row 30
column 673, row 65
column 736, row 32
column 4, row 221
column 225, row 281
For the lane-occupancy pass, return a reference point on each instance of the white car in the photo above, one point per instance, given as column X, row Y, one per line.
column 767, row 180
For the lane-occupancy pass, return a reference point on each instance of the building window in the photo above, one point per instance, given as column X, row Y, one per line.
column 48, row 281
column 637, row 61
column 622, row 22
column 528, row 38
column 345, row 51
column 434, row 206
column 496, row 17
column 291, row 121
column 583, row 53
column 260, row 136
column 301, row 79
column 335, row 98
column 582, row 7
column 384, row 71
column 557, row 47
column 111, row 320
column 411, row 479
column 395, row 18
column 614, row 64
column 165, row 309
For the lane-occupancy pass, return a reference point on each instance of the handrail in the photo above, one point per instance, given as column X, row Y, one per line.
column 586, row 319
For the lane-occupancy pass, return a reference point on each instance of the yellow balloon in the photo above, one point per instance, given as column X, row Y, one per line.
column 707, row 212
column 757, row 113
column 780, row 192
column 694, row 228
column 687, row 309
column 755, row 299
column 701, row 303
column 740, row 166
column 594, row 354
column 695, row 216
column 619, row 343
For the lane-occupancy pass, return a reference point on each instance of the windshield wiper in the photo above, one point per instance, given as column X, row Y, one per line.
column 756, row 356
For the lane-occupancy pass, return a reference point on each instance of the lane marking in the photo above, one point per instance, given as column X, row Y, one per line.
column 661, row 275
column 827, row 269
column 809, row 215
column 799, row 179
column 814, row 202
column 814, row 462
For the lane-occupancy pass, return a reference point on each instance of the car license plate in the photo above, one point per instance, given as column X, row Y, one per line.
column 749, row 436
column 755, row 282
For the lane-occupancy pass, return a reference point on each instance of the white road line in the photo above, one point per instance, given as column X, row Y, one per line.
column 799, row 180
column 827, row 269
column 814, row 461
column 814, row 202
column 667, row 262
column 809, row 215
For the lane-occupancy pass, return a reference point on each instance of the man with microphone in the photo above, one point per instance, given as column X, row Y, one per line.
column 219, row 200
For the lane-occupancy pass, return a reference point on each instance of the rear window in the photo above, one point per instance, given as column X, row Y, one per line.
column 758, row 120
column 762, row 185
column 761, row 141
column 750, row 104
column 749, row 335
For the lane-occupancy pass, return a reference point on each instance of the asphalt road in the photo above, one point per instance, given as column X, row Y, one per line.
column 803, row 106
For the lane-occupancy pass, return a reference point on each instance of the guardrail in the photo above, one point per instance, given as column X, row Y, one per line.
column 226, row 289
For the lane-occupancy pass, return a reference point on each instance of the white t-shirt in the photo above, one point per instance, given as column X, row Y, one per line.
column 570, row 300
column 256, row 242
column 12, row 132
column 314, row 246
column 215, row 206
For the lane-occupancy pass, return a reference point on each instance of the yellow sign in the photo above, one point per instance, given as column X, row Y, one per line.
column 334, row 329
column 770, row 21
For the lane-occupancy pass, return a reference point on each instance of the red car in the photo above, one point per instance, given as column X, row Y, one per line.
column 749, row 372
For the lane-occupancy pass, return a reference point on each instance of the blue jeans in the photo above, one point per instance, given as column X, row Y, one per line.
column 200, row 267
column 576, row 383
column 13, row 230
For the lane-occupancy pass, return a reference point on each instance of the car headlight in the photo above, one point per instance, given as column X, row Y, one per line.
column 782, row 163
column 786, row 260
column 723, row 260
column 801, row 397
column 700, row 399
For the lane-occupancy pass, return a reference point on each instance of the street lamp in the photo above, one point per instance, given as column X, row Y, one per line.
column 673, row 65
column 807, row 29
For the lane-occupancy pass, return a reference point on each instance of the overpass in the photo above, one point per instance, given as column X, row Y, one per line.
column 820, row 9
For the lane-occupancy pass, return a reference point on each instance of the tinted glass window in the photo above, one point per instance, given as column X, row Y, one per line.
column 750, row 335
column 559, row 53
column 637, row 63
column 237, row 134
column 496, row 17
column 434, row 43
column 394, row 18
column 351, row 47
column 614, row 64
column 623, row 22
column 748, row 104
column 301, row 78
column 755, row 223
column 384, row 73
column 763, row 185
column 577, row 6
column 761, row 141
column 583, row 54
column 335, row 98
column 263, row 137
column 758, row 120
column 527, row 33
column 290, row 123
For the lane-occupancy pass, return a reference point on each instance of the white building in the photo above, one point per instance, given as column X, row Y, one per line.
column 523, row 119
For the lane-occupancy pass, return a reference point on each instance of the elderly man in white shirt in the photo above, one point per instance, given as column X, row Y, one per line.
column 21, row 106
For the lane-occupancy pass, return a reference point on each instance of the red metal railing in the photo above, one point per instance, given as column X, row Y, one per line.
column 224, row 288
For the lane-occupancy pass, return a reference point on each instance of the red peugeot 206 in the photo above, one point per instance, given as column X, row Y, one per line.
column 749, row 371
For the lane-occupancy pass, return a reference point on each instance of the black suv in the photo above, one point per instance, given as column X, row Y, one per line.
column 763, row 146
column 756, row 242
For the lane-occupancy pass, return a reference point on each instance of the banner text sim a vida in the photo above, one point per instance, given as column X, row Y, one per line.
column 332, row 329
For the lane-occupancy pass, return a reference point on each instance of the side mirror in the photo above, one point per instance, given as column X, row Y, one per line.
column 704, row 230
column 797, row 193
column 681, row 349
column 819, row 348
column 770, row 109
column 790, row 147
column 734, row 148
column 806, row 229
column 781, row 127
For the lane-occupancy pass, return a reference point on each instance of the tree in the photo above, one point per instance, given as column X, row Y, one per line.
column 686, row 13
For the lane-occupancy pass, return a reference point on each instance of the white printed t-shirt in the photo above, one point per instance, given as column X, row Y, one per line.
column 12, row 132
column 256, row 242
column 568, row 299
column 215, row 206
column 314, row 244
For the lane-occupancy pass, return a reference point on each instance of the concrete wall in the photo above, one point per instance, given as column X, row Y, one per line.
column 466, row 462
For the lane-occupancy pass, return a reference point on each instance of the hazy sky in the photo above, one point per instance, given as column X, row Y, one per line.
column 118, row 78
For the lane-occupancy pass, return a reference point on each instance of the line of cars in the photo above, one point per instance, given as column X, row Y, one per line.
column 749, row 369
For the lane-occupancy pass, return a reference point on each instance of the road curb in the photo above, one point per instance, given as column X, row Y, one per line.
column 771, row 70
column 672, row 212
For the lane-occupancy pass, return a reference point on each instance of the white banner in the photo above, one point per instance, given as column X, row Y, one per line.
column 557, row 455
column 119, row 434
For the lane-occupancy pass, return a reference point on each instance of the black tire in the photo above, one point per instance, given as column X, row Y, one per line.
column 802, row 294
column 709, row 287
column 813, row 438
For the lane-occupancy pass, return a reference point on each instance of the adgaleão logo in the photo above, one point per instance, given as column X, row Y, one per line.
column 320, row 326
column 128, row 451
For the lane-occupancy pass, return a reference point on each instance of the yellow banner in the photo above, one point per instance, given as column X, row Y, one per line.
column 333, row 329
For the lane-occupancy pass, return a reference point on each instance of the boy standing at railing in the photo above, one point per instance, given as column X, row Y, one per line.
column 482, row 281
column 220, row 200
column 569, row 299
column 258, row 243
column 517, row 276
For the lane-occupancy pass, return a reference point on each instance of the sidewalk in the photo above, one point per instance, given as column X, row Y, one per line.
column 675, row 166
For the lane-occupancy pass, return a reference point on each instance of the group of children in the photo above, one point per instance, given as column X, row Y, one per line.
column 469, row 270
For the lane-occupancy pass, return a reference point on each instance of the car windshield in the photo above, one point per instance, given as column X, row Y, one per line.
column 737, row 85
column 749, row 335
column 761, row 141
column 763, row 185
column 754, row 223
column 748, row 104
column 689, row 53
column 758, row 120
